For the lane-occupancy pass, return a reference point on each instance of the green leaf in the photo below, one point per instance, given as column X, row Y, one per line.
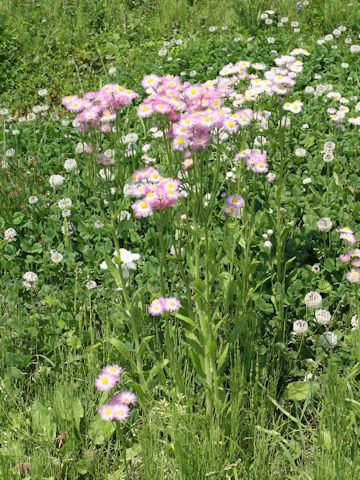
column 101, row 431
column 297, row 391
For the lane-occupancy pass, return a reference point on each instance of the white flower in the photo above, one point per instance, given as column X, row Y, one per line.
column 91, row 285
column 355, row 49
column 69, row 228
column 130, row 138
column 300, row 327
column 347, row 40
column 112, row 71
column 306, row 180
column 270, row 231
column 328, row 37
column 308, row 377
column 124, row 215
column 110, row 153
column 56, row 180
column 10, row 152
column 328, row 157
column 65, row 203
column 329, row 146
column 30, row 280
column 15, row 132
column 42, row 92
column 105, row 174
column 264, row 16
column 193, row 73
column 315, row 268
column 162, row 52
column 284, row 19
column 323, row 317
column 328, row 339
column 309, row 89
column 79, row 147
column 10, row 235
column 259, row 141
column 270, row 40
column 355, row 322
column 66, row 213
column 33, row 199
column 294, row 24
column 267, row 244
column 344, row 65
column 300, row 152
column 313, row 300
column 324, row 224
column 268, row 21
column 4, row 111
column 213, row 28
column 98, row 224
column 306, row 125
column 30, row 117
column 56, row 257
column 70, row 164
column 103, row 265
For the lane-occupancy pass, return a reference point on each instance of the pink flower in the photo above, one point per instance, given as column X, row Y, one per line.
column 127, row 398
column 113, row 370
column 106, row 382
column 156, row 308
column 353, row 276
column 121, row 412
column 345, row 258
column 107, row 412
column 171, row 304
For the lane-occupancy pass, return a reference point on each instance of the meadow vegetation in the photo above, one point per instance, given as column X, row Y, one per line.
column 179, row 240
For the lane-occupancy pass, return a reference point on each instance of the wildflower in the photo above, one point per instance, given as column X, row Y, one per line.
column 328, row 339
column 267, row 244
column 355, row 322
column 353, row 276
column 121, row 412
column 313, row 300
column 300, row 327
column 106, row 382
column 328, row 157
column 33, row 199
column 156, row 308
column 91, row 285
column 322, row 317
column 324, row 224
column 329, row 146
column 98, row 224
column 70, row 164
column 349, row 238
column 64, row 203
column 112, row 71
column 56, row 180
column 56, row 257
column 126, row 398
column 113, row 370
column 107, row 412
column 10, row 152
column 300, row 152
column 10, row 235
column 315, row 268
column 30, row 280
column 171, row 304
column 355, row 49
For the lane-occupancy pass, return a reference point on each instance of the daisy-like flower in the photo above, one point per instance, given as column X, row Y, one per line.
column 156, row 308
column 353, row 276
column 113, row 370
column 126, row 398
column 106, row 382
column 313, row 300
column 171, row 304
column 107, row 412
column 121, row 412
column 349, row 238
column 235, row 201
column 315, row 268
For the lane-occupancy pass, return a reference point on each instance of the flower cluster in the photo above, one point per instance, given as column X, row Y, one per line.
column 118, row 406
column 234, row 204
column 254, row 159
column 98, row 109
column 161, row 305
column 155, row 192
column 10, row 235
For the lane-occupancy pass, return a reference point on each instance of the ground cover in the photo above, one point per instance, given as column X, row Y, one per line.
column 179, row 253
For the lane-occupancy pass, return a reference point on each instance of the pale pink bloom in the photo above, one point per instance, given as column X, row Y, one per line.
column 106, row 382
column 126, row 398
column 107, row 412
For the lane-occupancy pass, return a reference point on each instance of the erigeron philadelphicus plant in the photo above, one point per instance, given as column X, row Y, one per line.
column 118, row 407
